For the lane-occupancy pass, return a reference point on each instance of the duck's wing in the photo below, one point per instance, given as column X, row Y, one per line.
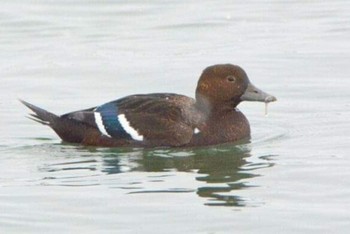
column 151, row 119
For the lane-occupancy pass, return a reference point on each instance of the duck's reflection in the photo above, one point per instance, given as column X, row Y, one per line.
column 219, row 172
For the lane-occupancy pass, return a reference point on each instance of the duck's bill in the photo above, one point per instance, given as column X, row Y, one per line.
column 254, row 94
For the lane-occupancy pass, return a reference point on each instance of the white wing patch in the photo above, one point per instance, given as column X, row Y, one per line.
column 130, row 130
column 196, row 131
column 99, row 123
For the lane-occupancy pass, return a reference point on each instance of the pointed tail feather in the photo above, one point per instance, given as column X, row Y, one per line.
column 40, row 115
column 67, row 129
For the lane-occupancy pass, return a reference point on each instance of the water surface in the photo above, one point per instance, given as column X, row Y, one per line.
column 292, row 176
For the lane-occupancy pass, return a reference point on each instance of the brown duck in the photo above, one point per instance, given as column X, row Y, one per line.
column 164, row 119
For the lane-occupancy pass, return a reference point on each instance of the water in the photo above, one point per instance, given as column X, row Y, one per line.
column 292, row 177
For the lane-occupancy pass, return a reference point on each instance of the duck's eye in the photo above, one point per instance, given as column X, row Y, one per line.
column 231, row 78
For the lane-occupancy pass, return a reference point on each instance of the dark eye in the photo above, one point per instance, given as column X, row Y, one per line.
column 231, row 78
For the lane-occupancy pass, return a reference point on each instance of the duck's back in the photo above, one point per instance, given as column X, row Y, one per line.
column 159, row 119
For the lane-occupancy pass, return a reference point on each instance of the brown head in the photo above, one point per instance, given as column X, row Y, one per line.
column 224, row 86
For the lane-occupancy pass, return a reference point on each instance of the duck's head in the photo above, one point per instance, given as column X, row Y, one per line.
column 226, row 85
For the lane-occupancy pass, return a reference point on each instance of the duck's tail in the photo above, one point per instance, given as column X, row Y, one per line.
column 40, row 115
column 67, row 129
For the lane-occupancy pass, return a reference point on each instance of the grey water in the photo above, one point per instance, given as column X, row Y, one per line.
column 292, row 177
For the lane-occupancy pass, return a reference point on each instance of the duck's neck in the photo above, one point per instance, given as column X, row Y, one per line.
column 214, row 109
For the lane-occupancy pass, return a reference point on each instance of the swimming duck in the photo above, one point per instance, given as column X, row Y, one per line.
column 164, row 119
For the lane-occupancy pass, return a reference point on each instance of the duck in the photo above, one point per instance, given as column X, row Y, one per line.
column 164, row 119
